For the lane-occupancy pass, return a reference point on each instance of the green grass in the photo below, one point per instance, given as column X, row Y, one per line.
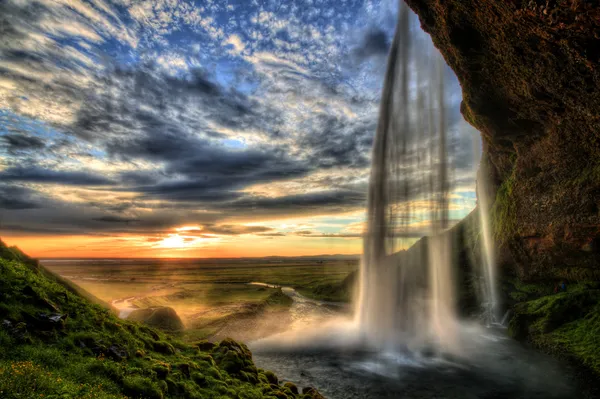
column 129, row 278
column 92, row 354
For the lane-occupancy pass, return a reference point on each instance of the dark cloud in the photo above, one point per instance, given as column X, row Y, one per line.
column 375, row 43
column 126, row 101
column 115, row 219
column 36, row 174
column 16, row 142
column 196, row 169
column 227, row 229
column 339, row 142
column 17, row 198
column 324, row 200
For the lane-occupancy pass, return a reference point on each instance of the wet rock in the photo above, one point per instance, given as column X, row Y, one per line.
column 116, row 353
column 41, row 322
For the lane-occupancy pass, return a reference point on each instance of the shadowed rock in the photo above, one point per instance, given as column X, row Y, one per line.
column 164, row 318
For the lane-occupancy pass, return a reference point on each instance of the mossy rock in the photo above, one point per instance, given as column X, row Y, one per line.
column 163, row 347
column 205, row 346
column 164, row 318
column 292, row 387
column 235, row 358
column 162, row 370
column 271, row 377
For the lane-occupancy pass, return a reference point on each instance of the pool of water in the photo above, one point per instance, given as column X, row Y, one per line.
column 323, row 350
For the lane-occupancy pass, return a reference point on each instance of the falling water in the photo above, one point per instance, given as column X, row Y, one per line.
column 490, row 292
column 407, row 298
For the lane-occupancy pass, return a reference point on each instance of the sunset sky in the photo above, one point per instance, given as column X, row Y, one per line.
column 174, row 128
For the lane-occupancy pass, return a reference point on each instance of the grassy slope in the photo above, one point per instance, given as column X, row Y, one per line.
column 93, row 354
column 566, row 324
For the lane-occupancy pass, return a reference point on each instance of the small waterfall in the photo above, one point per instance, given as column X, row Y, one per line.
column 407, row 298
column 490, row 300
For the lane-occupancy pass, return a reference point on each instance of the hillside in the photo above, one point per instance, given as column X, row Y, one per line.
column 56, row 343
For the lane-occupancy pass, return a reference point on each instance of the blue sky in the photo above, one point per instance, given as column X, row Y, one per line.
column 182, row 128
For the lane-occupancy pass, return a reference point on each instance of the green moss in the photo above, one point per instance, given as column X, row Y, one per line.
column 518, row 296
column 137, row 386
column 565, row 324
column 504, row 219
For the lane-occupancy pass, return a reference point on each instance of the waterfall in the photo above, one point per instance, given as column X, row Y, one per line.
column 407, row 298
column 490, row 302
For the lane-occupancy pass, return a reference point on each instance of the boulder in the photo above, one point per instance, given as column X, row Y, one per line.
column 164, row 318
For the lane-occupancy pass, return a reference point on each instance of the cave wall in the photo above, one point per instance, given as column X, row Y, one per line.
column 529, row 72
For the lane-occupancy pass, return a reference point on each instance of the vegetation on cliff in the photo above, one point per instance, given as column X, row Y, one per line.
column 566, row 324
column 54, row 343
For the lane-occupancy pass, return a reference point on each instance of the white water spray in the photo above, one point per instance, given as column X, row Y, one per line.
column 407, row 298
column 490, row 302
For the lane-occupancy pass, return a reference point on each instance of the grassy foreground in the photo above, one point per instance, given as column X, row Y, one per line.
column 55, row 343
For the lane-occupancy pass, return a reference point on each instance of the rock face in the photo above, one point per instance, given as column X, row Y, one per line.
column 530, row 74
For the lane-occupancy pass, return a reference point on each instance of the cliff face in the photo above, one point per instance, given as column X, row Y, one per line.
column 530, row 74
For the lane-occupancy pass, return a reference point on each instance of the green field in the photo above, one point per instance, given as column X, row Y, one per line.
column 210, row 294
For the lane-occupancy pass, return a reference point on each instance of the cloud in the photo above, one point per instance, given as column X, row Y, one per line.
column 35, row 174
column 323, row 201
column 340, row 142
column 17, row 198
column 236, row 43
column 227, row 230
column 114, row 219
column 17, row 142
column 375, row 43
column 139, row 116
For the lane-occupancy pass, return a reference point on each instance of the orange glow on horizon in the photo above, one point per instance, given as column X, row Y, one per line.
column 175, row 246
